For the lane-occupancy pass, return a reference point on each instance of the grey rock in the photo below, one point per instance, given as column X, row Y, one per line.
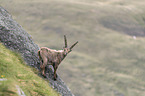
column 14, row 37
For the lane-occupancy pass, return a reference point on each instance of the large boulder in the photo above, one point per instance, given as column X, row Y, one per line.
column 14, row 37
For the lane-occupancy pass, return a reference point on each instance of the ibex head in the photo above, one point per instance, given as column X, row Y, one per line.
column 66, row 49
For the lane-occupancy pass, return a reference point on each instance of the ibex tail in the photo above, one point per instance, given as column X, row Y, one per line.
column 39, row 55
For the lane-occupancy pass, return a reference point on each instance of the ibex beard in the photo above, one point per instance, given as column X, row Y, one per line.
column 52, row 57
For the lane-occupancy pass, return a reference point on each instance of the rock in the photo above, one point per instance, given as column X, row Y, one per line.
column 14, row 37
column 3, row 79
column 20, row 91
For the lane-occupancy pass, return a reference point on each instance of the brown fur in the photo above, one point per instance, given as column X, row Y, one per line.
column 52, row 57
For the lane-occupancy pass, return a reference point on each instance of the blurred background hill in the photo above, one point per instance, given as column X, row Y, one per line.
column 110, row 57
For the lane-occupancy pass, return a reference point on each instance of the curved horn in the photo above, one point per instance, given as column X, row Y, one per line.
column 65, row 41
column 73, row 45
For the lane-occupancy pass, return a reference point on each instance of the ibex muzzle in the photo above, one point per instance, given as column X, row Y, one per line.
column 52, row 57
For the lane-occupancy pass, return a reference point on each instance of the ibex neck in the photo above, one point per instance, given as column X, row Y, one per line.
column 61, row 54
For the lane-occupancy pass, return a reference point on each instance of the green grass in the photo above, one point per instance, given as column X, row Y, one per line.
column 107, row 61
column 13, row 68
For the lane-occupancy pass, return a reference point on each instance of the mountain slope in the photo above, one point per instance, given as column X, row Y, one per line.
column 108, row 61
column 14, row 37
column 16, row 73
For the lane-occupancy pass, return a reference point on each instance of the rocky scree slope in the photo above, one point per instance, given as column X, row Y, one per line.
column 14, row 37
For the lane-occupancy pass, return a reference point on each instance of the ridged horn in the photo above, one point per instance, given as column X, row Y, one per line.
column 73, row 45
column 65, row 41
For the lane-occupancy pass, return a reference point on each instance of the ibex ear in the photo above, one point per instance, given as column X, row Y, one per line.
column 73, row 45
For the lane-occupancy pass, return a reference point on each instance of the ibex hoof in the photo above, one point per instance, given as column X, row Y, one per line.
column 55, row 79
column 44, row 75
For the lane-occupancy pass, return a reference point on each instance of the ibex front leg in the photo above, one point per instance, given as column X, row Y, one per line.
column 55, row 66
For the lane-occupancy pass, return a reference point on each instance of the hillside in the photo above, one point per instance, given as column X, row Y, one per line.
column 17, row 73
column 108, row 61
column 15, row 38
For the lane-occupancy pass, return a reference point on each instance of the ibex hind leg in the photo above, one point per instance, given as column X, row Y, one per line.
column 40, row 59
column 41, row 64
column 43, row 67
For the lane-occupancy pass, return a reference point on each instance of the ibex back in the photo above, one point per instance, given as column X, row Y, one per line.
column 52, row 57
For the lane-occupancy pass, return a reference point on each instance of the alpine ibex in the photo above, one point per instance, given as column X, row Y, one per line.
column 53, row 57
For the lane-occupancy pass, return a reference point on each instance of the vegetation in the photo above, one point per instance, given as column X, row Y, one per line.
column 108, row 61
column 16, row 73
